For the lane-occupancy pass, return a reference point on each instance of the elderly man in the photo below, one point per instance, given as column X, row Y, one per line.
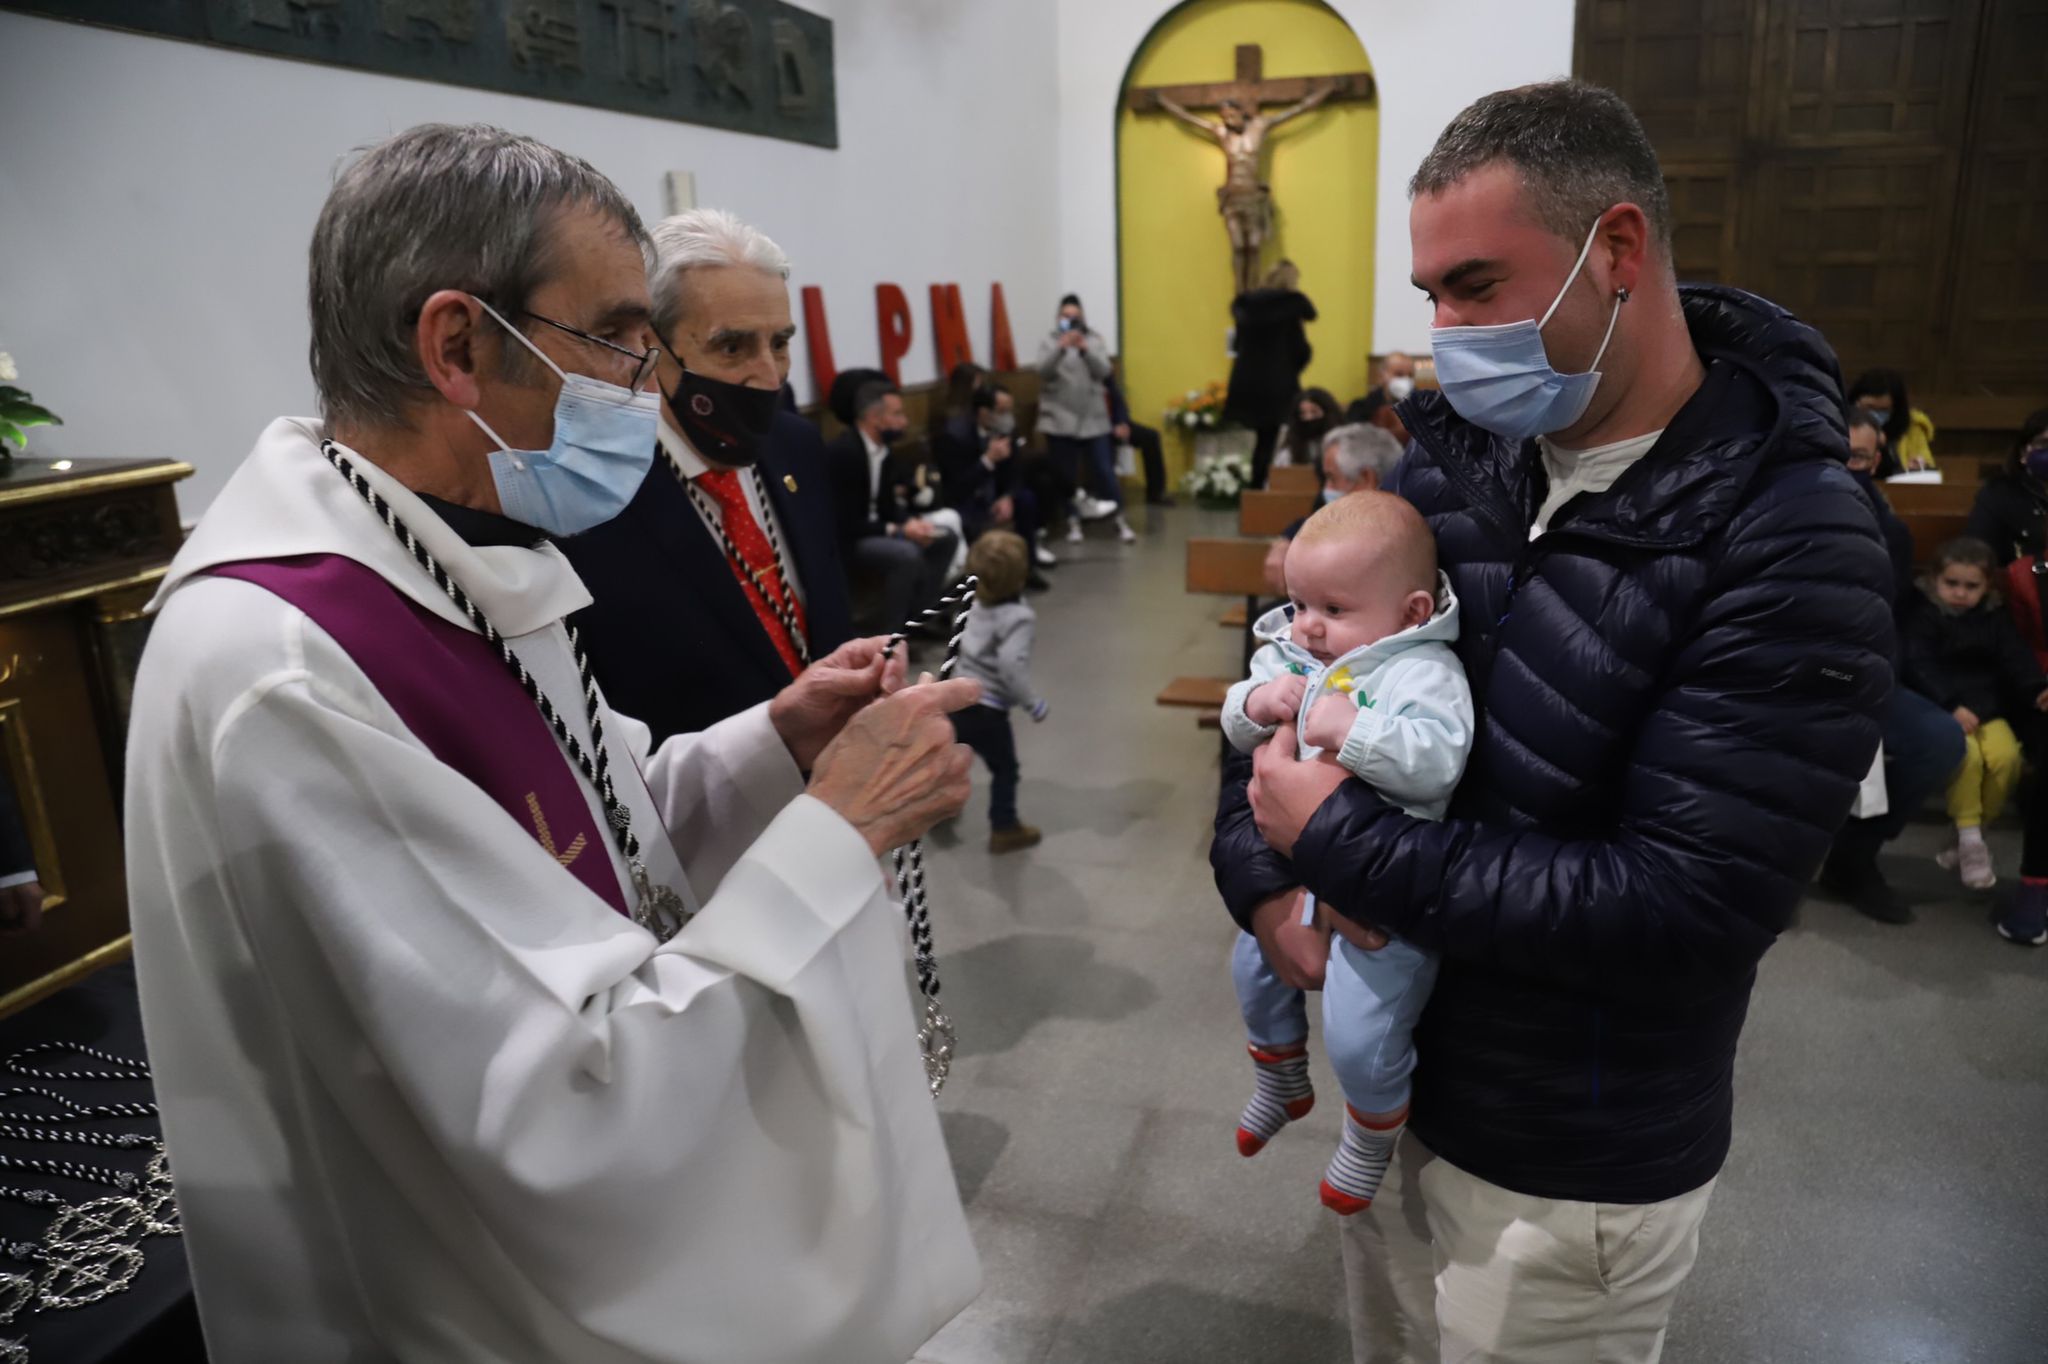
column 1397, row 382
column 721, row 580
column 481, row 1029
column 1680, row 645
column 1358, row 458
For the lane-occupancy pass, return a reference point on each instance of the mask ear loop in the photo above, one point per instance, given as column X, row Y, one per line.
column 1620, row 297
column 524, row 341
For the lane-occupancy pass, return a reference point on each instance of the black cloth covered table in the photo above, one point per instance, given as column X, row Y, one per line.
column 153, row 1318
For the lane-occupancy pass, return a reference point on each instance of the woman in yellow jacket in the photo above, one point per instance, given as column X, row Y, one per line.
column 1908, row 432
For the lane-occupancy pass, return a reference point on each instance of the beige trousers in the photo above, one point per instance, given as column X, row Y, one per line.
column 1445, row 1268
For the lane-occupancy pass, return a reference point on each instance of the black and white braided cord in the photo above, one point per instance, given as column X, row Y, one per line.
column 121, row 1067
column 782, row 598
column 909, row 859
column 596, row 770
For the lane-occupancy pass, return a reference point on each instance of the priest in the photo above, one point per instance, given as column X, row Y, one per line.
column 482, row 1029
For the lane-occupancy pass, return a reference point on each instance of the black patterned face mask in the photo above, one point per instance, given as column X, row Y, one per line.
column 726, row 423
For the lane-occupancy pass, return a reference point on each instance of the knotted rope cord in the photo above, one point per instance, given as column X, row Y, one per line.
column 935, row 1035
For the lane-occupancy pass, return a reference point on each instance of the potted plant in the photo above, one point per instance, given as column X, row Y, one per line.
column 18, row 413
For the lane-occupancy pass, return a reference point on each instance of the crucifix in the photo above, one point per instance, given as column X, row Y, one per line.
column 1245, row 199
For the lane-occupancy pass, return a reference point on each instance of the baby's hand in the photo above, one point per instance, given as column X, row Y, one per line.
column 1329, row 722
column 1277, row 702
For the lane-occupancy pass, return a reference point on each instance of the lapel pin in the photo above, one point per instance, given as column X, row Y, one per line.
column 789, row 482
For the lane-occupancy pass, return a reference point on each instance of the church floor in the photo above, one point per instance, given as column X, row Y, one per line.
column 1884, row 1202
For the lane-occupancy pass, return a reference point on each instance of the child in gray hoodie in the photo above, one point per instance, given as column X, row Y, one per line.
column 996, row 651
column 1359, row 660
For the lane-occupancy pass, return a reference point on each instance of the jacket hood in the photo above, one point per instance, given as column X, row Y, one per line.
column 1276, row 627
column 1773, row 395
column 286, row 500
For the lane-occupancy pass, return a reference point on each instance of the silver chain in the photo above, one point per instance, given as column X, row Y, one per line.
column 90, row 1250
column 781, row 601
column 935, row 1036
column 658, row 909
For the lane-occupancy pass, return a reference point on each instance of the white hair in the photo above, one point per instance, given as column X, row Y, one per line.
column 699, row 238
column 1363, row 449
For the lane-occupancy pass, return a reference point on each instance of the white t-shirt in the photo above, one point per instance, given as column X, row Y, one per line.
column 1585, row 471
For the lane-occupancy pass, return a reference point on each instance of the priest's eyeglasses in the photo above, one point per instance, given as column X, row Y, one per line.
column 643, row 364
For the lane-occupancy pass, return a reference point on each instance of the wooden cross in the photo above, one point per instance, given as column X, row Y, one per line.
column 1250, row 89
column 1245, row 199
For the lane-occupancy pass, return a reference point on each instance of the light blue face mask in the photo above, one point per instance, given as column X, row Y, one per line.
column 600, row 455
column 1500, row 378
column 1330, row 495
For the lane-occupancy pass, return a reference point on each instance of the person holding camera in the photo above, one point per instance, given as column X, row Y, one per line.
column 1073, row 412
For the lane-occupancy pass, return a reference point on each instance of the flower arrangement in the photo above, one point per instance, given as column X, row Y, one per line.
column 17, row 413
column 1217, row 480
column 1200, row 410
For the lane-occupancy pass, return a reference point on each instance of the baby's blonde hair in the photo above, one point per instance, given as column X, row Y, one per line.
column 1387, row 525
column 1001, row 562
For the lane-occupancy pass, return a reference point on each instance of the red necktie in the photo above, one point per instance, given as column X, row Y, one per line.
column 746, row 535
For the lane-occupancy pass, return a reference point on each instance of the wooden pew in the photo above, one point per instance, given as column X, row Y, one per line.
column 1931, row 530
column 1293, row 478
column 1222, row 567
column 1270, row 512
column 1930, row 497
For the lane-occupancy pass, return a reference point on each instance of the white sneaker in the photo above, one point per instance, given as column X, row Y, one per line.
column 1045, row 558
column 1074, row 531
column 1124, row 531
column 1093, row 508
column 1973, row 858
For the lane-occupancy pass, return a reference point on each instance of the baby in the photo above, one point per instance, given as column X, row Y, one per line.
column 1360, row 661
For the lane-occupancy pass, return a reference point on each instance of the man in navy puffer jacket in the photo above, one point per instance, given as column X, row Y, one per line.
column 1680, row 642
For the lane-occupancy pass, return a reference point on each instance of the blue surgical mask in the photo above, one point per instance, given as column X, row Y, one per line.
column 601, row 452
column 1330, row 495
column 1500, row 378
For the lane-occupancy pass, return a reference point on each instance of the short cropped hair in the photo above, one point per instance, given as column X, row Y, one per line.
column 696, row 239
column 439, row 206
column 869, row 395
column 1579, row 148
column 1000, row 562
column 1388, row 525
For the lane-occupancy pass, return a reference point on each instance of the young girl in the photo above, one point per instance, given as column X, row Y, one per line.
column 1962, row 651
column 996, row 651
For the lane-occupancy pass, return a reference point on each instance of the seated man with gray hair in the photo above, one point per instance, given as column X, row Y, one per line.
column 482, row 1027
column 1358, row 458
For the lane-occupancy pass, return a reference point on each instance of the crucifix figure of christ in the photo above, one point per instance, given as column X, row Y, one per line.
column 1245, row 199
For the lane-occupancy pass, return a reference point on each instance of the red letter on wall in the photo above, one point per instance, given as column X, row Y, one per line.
column 949, row 329
column 1002, row 350
column 818, row 338
column 892, row 321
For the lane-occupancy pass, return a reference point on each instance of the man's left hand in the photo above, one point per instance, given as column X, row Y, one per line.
column 1122, row 431
column 1286, row 792
column 1003, row 511
column 810, row 711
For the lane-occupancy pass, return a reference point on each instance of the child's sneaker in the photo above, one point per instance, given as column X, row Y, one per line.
column 2025, row 921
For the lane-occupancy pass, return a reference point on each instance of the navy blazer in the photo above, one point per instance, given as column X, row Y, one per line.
column 671, row 635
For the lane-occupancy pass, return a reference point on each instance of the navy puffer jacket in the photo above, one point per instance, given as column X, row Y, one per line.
column 1678, row 686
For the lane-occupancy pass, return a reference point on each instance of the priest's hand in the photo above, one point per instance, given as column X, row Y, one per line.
column 1286, row 792
column 897, row 770
column 810, row 711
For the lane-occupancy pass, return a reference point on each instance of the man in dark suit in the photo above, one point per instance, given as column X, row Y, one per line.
column 881, row 533
column 979, row 467
column 721, row 580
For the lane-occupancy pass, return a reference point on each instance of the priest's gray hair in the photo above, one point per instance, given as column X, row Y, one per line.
column 438, row 206
column 1578, row 146
column 698, row 238
column 1361, row 449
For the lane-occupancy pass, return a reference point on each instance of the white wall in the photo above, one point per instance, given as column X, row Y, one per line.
column 156, row 199
column 1430, row 59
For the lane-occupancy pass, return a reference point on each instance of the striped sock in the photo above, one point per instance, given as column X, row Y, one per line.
column 1283, row 1094
column 1361, row 1161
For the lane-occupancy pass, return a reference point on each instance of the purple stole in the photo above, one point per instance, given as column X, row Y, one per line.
column 456, row 696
